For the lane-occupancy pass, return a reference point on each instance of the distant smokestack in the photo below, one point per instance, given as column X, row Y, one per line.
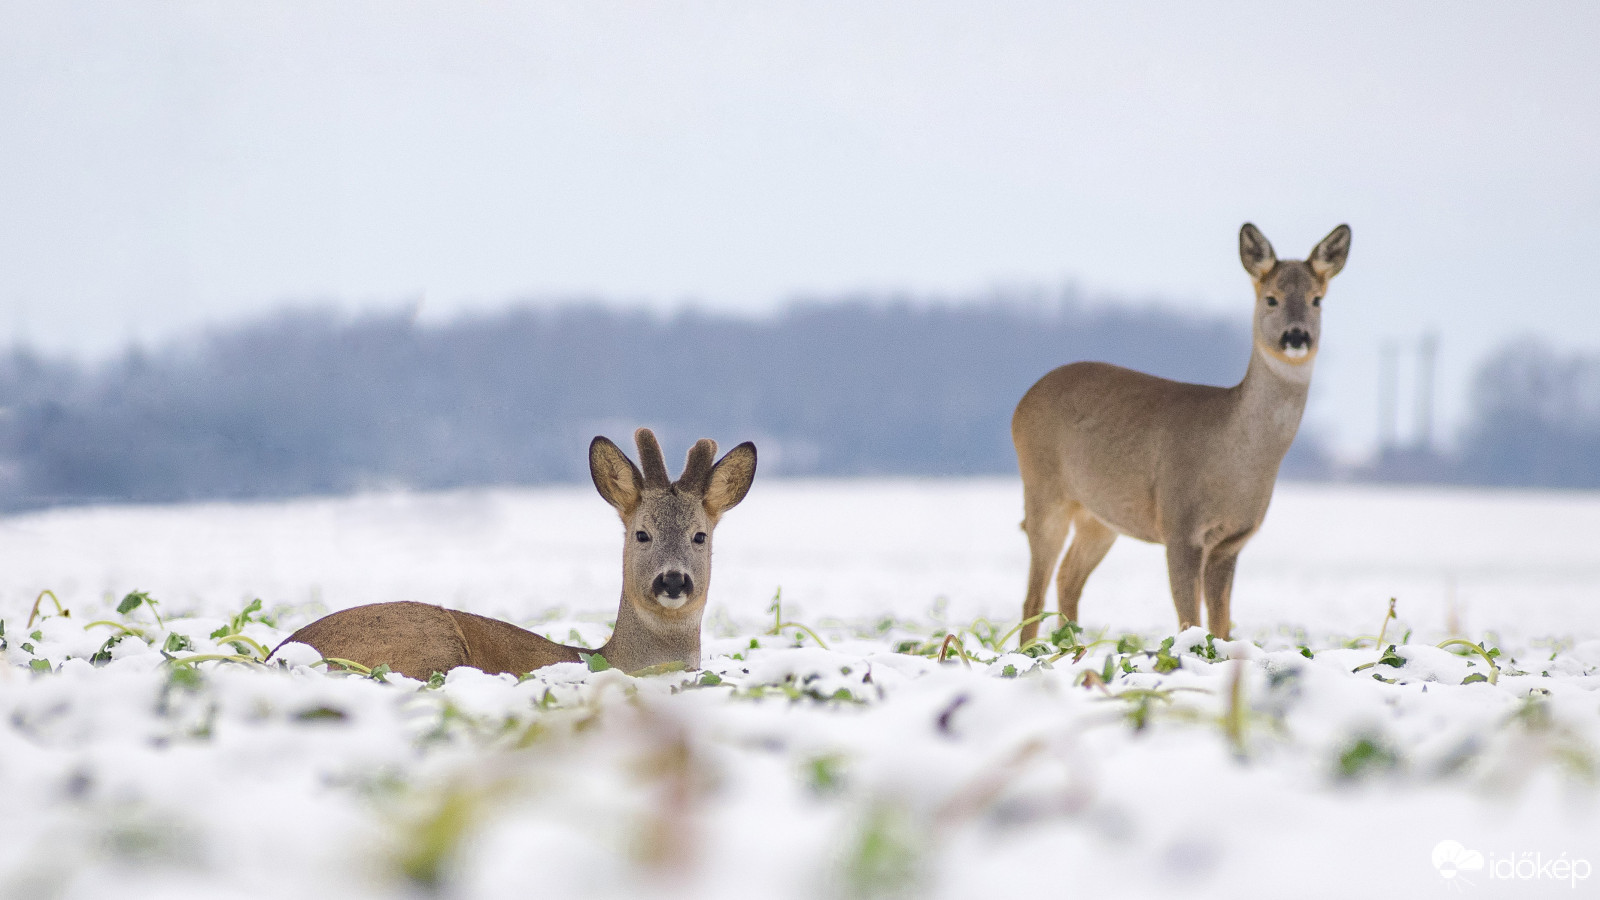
column 1427, row 352
column 1388, row 394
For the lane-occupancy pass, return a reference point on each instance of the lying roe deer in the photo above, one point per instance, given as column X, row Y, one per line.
column 1106, row 450
column 666, row 571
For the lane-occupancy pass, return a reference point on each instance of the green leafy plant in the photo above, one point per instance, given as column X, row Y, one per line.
column 778, row 624
column 103, row 655
column 795, row 688
column 1489, row 655
column 231, row 633
column 197, row 658
column 348, row 665
column 1389, row 658
column 321, row 714
column 664, row 668
column 1165, row 660
column 996, row 643
column 1387, row 618
column 915, row 647
column 134, row 600
column 884, row 857
column 953, row 642
column 429, row 842
column 126, row 630
column 60, row 610
column 1140, row 701
column 824, row 774
column 1236, row 717
column 1207, row 650
column 1366, row 755
column 1069, row 637
column 236, row 623
column 183, row 678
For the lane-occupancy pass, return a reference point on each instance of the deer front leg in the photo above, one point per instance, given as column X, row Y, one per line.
column 1185, row 563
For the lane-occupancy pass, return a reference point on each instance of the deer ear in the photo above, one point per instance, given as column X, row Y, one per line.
column 730, row 479
column 1255, row 251
column 615, row 476
column 1328, row 257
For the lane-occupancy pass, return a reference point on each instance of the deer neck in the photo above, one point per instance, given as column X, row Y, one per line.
column 1269, row 402
column 637, row 643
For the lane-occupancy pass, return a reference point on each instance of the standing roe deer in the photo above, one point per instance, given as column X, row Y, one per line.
column 666, row 572
column 1106, row 450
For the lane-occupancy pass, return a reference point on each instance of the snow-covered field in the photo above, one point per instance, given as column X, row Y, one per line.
column 1301, row 761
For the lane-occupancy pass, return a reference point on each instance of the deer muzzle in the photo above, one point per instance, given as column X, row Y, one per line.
column 1295, row 343
column 672, row 588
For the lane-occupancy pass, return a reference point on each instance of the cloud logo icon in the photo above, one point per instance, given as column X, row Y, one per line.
column 1452, row 859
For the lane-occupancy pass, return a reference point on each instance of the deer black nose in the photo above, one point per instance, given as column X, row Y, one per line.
column 1296, row 339
column 674, row 584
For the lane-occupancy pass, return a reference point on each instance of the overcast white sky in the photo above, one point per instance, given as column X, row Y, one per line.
column 166, row 165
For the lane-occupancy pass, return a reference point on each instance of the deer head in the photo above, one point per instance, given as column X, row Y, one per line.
column 666, row 557
column 1288, row 320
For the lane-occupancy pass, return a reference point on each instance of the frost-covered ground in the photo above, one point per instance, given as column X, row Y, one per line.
column 1300, row 761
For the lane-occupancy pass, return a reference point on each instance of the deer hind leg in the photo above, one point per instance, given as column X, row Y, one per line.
column 1219, row 567
column 1185, row 563
column 1046, row 524
column 1091, row 541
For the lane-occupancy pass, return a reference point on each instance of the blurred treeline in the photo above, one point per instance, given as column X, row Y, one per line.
column 314, row 402
column 1536, row 420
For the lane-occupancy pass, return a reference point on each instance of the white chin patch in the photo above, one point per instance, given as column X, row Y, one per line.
column 672, row 602
column 1297, row 353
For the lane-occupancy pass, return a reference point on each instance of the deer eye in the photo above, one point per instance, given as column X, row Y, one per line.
column 641, row 537
column 699, row 537
column 1316, row 301
column 1272, row 301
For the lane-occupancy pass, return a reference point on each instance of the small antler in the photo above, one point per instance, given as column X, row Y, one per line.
column 650, row 459
column 697, row 468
